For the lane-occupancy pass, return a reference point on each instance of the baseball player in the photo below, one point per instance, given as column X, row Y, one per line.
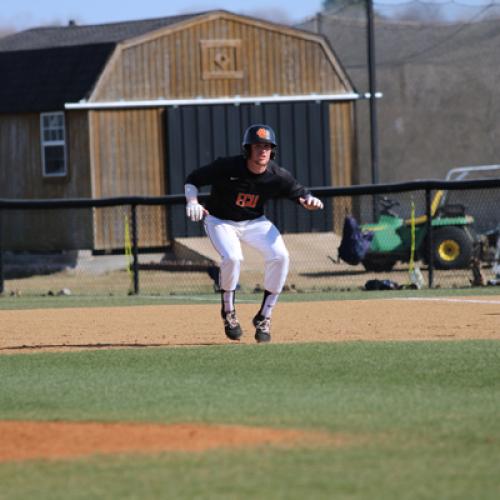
column 234, row 212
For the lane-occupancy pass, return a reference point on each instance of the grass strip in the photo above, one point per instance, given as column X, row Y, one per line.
column 44, row 301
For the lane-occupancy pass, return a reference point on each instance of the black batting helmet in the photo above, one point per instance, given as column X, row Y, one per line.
column 258, row 133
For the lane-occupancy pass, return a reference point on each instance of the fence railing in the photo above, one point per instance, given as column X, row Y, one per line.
column 361, row 201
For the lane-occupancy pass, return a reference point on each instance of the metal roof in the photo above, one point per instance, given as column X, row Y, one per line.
column 43, row 68
column 66, row 36
column 43, row 80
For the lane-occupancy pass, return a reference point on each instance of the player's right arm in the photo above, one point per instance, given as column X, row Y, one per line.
column 203, row 176
column 194, row 210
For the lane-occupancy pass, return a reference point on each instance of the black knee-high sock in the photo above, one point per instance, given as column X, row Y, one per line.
column 227, row 301
column 268, row 302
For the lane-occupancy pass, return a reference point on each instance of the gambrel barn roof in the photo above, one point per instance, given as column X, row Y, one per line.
column 44, row 68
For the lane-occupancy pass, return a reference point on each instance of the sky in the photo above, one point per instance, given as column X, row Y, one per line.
column 18, row 15
column 23, row 14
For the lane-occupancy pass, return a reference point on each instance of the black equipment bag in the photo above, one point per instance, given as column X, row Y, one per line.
column 355, row 243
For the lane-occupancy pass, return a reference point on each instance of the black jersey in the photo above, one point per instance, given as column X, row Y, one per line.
column 238, row 194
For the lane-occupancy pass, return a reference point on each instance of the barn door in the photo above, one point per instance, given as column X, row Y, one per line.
column 196, row 135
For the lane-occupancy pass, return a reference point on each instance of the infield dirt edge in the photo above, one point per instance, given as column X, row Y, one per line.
column 24, row 331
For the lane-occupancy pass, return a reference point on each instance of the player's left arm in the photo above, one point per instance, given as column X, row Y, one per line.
column 310, row 202
column 298, row 192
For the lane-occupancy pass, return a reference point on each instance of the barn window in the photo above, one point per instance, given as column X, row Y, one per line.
column 53, row 140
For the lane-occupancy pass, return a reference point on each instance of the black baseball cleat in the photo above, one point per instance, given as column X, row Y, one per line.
column 232, row 326
column 262, row 329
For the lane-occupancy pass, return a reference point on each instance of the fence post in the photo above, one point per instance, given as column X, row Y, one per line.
column 430, row 253
column 1, row 255
column 135, row 251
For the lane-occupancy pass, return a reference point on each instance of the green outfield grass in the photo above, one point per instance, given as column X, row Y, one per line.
column 425, row 417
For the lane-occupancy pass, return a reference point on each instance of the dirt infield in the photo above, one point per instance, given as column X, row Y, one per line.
column 66, row 440
column 440, row 318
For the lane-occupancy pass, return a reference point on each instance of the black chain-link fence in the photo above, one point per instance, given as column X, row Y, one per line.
column 423, row 234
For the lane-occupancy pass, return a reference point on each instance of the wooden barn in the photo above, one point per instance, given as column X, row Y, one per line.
column 130, row 108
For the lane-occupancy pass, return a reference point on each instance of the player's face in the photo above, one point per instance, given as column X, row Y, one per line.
column 260, row 154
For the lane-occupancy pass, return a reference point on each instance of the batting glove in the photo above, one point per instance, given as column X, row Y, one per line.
column 195, row 211
column 312, row 203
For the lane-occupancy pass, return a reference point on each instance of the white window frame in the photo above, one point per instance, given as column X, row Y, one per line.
column 59, row 142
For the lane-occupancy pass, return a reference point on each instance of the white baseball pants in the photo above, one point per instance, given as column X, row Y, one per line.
column 260, row 234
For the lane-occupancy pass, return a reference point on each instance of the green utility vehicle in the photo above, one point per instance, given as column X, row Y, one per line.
column 453, row 240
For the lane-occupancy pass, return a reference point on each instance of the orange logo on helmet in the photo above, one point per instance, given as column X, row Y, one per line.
column 263, row 133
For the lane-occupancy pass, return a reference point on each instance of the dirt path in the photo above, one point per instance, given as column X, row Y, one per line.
column 391, row 319
column 66, row 440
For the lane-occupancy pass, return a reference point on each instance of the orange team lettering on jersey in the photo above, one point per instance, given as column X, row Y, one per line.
column 247, row 200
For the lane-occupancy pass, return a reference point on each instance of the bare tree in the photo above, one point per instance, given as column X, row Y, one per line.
column 420, row 12
column 275, row 14
column 6, row 30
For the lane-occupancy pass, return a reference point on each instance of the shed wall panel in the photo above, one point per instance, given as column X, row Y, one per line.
column 21, row 178
column 304, row 149
column 128, row 160
column 343, row 157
